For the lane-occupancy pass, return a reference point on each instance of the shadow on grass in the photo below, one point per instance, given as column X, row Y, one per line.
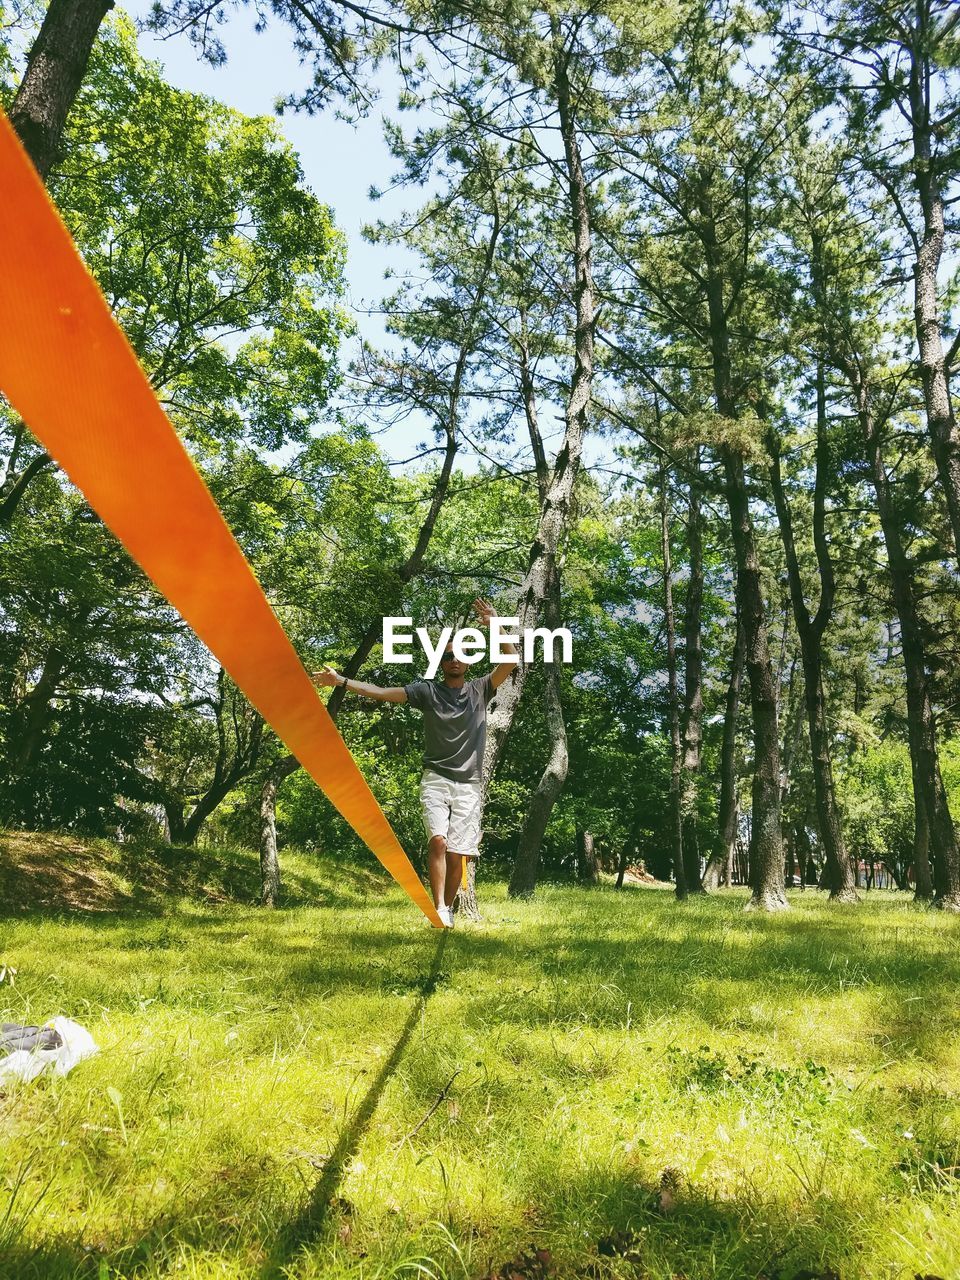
column 612, row 1222
column 310, row 1222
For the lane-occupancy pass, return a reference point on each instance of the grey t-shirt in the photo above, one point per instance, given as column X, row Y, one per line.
column 454, row 726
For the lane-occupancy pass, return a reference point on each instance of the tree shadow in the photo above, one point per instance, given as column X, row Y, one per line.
column 312, row 1218
column 612, row 1221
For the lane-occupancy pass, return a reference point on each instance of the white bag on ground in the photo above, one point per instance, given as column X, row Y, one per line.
column 27, row 1064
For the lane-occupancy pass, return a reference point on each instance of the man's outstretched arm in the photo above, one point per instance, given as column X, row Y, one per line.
column 328, row 677
column 485, row 611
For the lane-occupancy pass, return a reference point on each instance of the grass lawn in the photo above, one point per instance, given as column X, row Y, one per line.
column 593, row 1084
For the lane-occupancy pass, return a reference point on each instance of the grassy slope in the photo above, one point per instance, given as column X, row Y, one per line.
column 643, row 1090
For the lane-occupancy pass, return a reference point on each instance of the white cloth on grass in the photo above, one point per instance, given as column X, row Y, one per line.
column 27, row 1064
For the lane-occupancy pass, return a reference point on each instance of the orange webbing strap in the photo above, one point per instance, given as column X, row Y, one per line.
column 67, row 368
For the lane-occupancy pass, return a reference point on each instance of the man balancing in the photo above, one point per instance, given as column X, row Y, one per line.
column 455, row 734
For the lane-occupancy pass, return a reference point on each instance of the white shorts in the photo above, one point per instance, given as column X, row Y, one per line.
column 452, row 810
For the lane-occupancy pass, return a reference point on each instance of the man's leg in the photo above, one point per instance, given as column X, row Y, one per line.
column 454, row 876
column 437, row 858
column 435, row 800
column 463, row 835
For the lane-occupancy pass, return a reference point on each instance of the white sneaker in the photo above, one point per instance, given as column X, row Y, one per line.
column 446, row 915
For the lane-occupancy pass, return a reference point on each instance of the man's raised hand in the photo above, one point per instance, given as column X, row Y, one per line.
column 326, row 677
column 484, row 611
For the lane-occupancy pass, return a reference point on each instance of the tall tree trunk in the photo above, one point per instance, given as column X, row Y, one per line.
column 804, row 851
column 728, row 812
column 466, row 900
column 556, row 509
column 923, row 880
column 692, row 691
column 766, row 836
column 675, row 818
column 934, row 371
column 269, row 860
column 810, row 630
column 622, row 865
column 173, row 821
column 523, row 881
column 792, row 723
column 588, row 872
column 921, row 724
column 56, row 65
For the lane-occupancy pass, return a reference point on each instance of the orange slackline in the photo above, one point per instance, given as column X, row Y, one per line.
column 67, row 368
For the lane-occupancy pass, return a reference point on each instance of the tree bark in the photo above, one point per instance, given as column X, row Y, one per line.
column 173, row 821
column 675, row 818
column 692, row 692
column 934, row 373
column 465, row 903
column 728, row 815
column 810, row 631
column 923, row 880
column 523, row 881
column 766, row 838
column 269, row 860
column 805, row 852
column 56, row 65
column 622, row 865
column 791, row 721
column 555, row 510
column 587, row 870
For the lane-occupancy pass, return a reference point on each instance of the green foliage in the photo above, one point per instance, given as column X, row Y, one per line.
column 877, row 798
column 877, row 795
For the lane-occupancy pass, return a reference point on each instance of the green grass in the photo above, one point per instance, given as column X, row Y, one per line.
column 639, row 1089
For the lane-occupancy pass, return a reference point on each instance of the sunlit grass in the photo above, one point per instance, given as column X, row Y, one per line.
column 641, row 1089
